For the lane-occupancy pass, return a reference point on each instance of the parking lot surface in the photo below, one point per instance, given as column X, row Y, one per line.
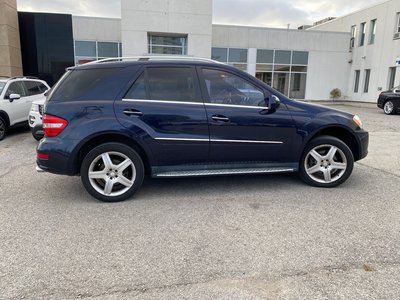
column 243, row 237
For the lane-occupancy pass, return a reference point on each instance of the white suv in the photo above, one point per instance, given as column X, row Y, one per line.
column 16, row 97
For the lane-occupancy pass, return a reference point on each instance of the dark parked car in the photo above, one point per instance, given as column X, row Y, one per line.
column 389, row 101
column 113, row 122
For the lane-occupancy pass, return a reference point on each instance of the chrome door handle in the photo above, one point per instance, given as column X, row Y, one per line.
column 133, row 112
column 220, row 118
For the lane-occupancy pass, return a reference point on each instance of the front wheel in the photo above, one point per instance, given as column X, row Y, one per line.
column 388, row 107
column 326, row 162
column 112, row 172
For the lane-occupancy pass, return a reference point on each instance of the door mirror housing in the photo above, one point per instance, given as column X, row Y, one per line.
column 13, row 97
column 273, row 102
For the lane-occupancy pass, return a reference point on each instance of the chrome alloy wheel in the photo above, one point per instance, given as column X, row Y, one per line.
column 112, row 173
column 325, row 163
column 388, row 107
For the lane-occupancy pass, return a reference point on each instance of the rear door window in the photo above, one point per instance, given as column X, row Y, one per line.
column 177, row 84
column 32, row 88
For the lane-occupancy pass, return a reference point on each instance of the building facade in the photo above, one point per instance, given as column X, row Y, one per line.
column 355, row 53
column 373, row 47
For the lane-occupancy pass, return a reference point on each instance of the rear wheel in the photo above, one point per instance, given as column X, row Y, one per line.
column 112, row 172
column 3, row 128
column 388, row 107
column 326, row 162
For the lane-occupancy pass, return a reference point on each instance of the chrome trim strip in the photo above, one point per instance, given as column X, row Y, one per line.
column 218, row 141
column 236, row 106
column 246, row 141
column 223, row 172
column 182, row 139
column 195, row 103
column 163, row 101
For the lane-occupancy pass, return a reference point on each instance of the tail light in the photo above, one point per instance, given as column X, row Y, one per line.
column 53, row 126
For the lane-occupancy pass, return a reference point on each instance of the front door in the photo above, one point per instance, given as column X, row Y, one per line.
column 165, row 107
column 242, row 127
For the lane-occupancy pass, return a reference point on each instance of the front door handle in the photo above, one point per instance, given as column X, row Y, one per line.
column 219, row 118
column 133, row 112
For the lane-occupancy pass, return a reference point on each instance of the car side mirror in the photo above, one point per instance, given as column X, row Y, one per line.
column 273, row 102
column 13, row 97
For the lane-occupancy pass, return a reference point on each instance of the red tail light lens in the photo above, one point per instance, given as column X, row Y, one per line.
column 53, row 126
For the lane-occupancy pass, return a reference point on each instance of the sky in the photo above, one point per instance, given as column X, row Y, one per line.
column 269, row 13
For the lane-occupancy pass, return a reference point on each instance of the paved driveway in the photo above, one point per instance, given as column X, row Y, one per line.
column 260, row 237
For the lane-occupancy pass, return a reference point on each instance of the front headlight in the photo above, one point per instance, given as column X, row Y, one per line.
column 35, row 108
column 357, row 121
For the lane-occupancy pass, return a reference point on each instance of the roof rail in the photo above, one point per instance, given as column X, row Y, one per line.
column 154, row 58
column 23, row 77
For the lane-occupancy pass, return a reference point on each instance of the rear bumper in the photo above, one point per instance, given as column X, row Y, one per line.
column 363, row 141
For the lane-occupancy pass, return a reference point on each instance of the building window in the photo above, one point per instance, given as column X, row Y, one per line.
column 220, row 54
column 372, row 32
column 353, row 31
column 235, row 57
column 362, row 34
column 87, row 51
column 284, row 70
column 366, row 80
column 398, row 22
column 167, row 44
column 356, row 81
column 107, row 49
column 392, row 77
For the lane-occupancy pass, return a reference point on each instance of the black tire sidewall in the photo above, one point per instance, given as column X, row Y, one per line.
column 2, row 136
column 109, row 147
column 327, row 140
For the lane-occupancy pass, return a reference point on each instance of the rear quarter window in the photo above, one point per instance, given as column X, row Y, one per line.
column 88, row 84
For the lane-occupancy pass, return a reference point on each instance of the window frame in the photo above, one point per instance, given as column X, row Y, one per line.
column 372, row 32
column 363, row 30
column 367, row 79
column 206, row 95
column 357, row 75
column 353, row 36
column 150, row 45
column 397, row 24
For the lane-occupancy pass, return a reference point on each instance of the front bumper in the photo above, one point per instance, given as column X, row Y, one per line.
column 363, row 141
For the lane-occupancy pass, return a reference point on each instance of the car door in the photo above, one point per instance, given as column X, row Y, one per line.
column 242, row 127
column 164, row 106
column 16, row 109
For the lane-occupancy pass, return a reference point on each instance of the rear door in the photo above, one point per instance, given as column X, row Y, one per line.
column 165, row 108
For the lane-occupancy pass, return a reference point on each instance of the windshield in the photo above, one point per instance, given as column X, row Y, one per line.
column 2, row 84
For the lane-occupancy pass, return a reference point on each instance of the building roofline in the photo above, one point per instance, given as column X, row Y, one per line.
column 349, row 14
column 277, row 29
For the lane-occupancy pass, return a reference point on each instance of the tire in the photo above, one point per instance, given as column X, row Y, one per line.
column 326, row 162
column 117, row 172
column 36, row 136
column 3, row 128
column 389, row 108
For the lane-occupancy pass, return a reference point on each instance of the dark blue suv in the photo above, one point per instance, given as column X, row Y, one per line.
column 113, row 122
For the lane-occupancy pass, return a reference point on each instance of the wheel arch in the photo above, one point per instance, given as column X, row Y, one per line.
column 97, row 140
column 342, row 134
column 6, row 117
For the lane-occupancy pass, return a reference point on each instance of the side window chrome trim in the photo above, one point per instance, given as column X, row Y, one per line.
column 238, row 106
column 195, row 103
column 163, row 101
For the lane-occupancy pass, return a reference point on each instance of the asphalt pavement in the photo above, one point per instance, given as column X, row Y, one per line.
column 241, row 237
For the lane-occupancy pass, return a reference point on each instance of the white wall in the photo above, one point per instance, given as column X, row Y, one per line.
column 379, row 56
column 191, row 17
column 96, row 29
column 328, row 66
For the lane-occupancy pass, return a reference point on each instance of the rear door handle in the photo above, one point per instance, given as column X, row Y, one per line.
column 133, row 112
column 219, row 118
